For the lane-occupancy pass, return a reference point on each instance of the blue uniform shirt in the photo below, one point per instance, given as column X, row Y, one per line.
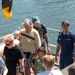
column 67, row 45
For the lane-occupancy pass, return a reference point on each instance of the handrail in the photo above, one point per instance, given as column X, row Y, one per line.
column 3, row 36
column 54, row 29
column 16, row 32
column 47, row 28
column 52, row 45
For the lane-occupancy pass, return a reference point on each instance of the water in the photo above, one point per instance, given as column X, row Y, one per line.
column 50, row 12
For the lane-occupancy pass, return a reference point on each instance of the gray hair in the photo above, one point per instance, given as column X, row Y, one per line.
column 27, row 22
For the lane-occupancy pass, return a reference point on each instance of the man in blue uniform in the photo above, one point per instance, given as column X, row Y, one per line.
column 66, row 40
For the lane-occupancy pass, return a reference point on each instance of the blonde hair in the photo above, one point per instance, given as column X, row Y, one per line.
column 49, row 61
column 8, row 37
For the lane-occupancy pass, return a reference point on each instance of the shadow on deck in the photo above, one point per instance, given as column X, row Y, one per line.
column 65, row 70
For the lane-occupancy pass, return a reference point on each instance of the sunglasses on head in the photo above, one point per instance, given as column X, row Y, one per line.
column 9, row 43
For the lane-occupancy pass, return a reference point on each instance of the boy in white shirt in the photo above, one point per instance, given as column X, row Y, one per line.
column 48, row 64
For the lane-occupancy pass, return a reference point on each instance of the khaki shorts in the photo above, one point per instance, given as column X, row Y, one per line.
column 28, row 59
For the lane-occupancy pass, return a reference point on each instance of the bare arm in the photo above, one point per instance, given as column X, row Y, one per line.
column 4, row 58
column 57, row 51
column 21, row 61
column 4, row 71
column 37, row 42
column 47, row 42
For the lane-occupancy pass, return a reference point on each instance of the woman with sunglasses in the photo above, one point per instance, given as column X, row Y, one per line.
column 13, row 55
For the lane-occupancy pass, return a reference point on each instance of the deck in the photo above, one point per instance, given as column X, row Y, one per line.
column 65, row 70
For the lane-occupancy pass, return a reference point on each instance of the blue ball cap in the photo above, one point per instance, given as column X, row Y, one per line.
column 65, row 22
column 35, row 19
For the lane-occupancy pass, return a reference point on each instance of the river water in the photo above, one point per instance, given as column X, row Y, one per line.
column 50, row 12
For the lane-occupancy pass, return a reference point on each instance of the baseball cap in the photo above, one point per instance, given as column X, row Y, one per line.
column 35, row 19
column 65, row 22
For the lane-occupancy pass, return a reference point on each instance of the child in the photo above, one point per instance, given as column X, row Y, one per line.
column 48, row 61
column 37, row 62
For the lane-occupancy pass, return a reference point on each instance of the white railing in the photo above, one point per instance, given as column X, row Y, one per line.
column 56, row 30
column 52, row 29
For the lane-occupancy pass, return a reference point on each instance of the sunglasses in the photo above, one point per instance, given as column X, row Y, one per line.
column 9, row 43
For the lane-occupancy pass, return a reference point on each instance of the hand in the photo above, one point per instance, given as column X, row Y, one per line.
column 22, row 68
column 56, row 59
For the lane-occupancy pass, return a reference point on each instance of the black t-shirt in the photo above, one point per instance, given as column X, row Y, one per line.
column 12, row 56
column 42, row 29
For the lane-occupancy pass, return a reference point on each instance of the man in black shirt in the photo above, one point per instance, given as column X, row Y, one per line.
column 13, row 55
column 42, row 32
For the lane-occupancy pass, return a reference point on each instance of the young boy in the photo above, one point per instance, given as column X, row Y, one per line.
column 37, row 62
column 49, row 61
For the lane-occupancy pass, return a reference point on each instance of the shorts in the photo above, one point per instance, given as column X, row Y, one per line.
column 28, row 56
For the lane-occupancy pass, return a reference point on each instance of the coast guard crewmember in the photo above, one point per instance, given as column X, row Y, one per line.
column 66, row 40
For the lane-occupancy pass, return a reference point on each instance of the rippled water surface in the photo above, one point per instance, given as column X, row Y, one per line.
column 50, row 12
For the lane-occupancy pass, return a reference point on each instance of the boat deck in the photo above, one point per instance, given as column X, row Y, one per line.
column 65, row 70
